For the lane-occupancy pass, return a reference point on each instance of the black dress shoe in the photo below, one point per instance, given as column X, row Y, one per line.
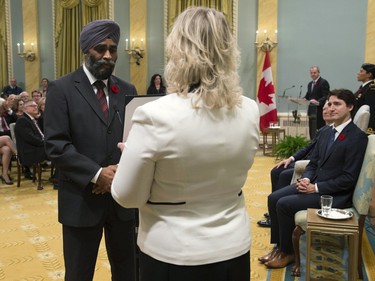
column 264, row 223
column 266, row 215
column 29, row 176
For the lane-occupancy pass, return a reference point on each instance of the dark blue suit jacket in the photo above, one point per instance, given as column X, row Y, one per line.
column 336, row 171
column 79, row 140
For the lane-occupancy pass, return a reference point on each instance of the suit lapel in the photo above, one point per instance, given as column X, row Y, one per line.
column 84, row 87
column 113, row 91
column 340, row 138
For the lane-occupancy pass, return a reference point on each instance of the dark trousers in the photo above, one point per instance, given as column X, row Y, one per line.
column 81, row 246
column 281, row 177
column 237, row 269
column 282, row 206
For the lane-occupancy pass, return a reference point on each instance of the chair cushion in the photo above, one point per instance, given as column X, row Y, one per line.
column 362, row 117
column 366, row 180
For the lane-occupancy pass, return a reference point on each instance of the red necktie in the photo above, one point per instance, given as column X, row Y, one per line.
column 100, row 95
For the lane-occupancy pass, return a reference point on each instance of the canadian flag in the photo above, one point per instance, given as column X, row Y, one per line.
column 266, row 96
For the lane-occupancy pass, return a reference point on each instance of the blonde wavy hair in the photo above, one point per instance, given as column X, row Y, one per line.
column 203, row 58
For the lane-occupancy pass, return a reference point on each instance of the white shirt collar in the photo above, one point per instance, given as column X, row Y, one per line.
column 341, row 127
column 91, row 77
column 367, row 82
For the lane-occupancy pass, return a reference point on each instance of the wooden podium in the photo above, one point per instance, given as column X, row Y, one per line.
column 297, row 122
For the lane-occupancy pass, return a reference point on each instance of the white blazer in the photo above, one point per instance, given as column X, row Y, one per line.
column 184, row 169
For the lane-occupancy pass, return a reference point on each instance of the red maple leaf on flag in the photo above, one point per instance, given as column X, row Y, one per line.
column 265, row 92
column 266, row 96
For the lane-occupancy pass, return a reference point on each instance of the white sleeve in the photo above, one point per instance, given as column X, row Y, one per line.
column 132, row 183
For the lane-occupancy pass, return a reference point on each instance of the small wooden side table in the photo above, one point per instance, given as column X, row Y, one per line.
column 348, row 227
column 275, row 136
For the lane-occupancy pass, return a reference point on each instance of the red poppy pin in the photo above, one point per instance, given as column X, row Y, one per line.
column 341, row 137
column 114, row 89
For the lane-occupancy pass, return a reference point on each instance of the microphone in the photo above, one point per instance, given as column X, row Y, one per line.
column 117, row 113
column 288, row 89
column 300, row 91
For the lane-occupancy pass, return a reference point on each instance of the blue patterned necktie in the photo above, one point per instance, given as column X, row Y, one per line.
column 331, row 138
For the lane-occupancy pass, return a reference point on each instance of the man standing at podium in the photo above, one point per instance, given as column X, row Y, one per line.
column 317, row 91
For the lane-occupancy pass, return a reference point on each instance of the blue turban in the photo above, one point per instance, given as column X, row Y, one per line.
column 97, row 31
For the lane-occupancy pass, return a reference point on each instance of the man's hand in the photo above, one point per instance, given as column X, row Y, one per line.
column 304, row 186
column 103, row 184
column 314, row 101
column 284, row 162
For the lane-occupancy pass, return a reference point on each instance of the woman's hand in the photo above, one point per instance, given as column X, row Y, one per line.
column 121, row 146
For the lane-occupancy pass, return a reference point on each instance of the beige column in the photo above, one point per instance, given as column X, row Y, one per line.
column 138, row 24
column 267, row 20
column 30, row 35
column 370, row 33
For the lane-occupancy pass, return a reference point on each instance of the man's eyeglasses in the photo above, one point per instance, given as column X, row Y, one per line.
column 31, row 105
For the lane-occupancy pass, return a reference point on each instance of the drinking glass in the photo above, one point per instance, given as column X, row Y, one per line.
column 326, row 204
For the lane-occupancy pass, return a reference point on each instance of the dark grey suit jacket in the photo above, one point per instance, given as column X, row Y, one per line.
column 336, row 171
column 79, row 141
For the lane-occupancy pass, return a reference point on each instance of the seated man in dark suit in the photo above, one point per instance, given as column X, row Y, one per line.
column 333, row 170
column 30, row 138
column 12, row 88
column 282, row 173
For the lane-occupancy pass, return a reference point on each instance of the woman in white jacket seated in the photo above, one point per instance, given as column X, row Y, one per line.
column 187, row 157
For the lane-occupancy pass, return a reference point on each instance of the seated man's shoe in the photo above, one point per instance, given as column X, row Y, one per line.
column 40, row 187
column 55, row 186
column 281, row 260
column 296, row 271
column 275, row 251
column 264, row 223
column 266, row 215
column 29, row 176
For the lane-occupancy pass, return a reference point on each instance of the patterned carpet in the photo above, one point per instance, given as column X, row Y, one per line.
column 30, row 236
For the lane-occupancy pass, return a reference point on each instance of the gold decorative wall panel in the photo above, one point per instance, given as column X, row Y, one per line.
column 370, row 33
column 30, row 35
column 267, row 20
column 138, row 25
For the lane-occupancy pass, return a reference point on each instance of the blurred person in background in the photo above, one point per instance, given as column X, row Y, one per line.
column 156, row 85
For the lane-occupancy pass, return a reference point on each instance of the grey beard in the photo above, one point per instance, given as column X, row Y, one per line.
column 96, row 69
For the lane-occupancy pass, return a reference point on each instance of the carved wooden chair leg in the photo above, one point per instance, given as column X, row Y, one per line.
column 40, row 186
column 361, row 223
column 296, row 269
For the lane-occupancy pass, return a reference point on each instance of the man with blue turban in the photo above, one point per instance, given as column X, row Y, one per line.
column 83, row 124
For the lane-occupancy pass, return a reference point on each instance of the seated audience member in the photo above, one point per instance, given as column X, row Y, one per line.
column 7, row 116
column 24, row 96
column 7, row 149
column 333, row 170
column 18, row 108
column 11, row 100
column 30, row 138
column 156, row 85
column 36, row 96
column 365, row 75
column 12, row 88
column 44, row 85
column 282, row 173
column 41, row 106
